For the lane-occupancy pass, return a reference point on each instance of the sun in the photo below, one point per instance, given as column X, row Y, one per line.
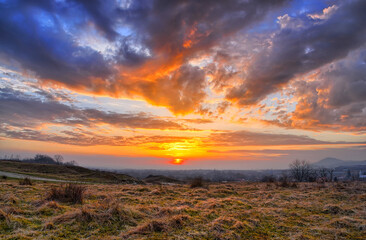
column 177, row 161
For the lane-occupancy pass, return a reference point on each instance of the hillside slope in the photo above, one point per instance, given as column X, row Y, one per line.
column 160, row 179
column 63, row 172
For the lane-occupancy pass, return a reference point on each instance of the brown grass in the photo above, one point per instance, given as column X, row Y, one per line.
column 67, row 193
column 225, row 211
column 159, row 225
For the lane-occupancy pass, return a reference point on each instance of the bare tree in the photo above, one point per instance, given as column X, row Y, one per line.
column 301, row 170
column 71, row 163
column 330, row 172
column 59, row 159
column 323, row 172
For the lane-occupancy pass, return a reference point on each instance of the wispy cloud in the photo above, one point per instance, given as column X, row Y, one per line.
column 21, row 110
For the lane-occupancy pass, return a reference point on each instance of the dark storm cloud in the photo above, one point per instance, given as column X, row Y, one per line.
column 159, row 36
column 33, row 35
column 166, row 24
column 20, row 110
column 300, row 50
column 102, row 13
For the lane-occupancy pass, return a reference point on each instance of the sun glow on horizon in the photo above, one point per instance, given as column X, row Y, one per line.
column 178, row 161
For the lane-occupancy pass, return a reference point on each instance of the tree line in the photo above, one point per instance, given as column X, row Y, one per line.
column 44, row 159
column 302, row 171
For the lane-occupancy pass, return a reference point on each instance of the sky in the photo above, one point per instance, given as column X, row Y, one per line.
column 180, row 84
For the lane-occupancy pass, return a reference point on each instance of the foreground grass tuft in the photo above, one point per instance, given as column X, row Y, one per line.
column 25, row 181
column 67, row 193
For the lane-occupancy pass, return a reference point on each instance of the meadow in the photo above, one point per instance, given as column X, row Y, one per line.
column 218, row 211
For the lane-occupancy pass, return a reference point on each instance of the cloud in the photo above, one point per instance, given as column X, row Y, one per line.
column 176, row 26
column 21, row 110
column 101, row 13
column 247, row 138
column 286, row 21
column 333, row 98
column 297, row 51
column 22, row 116
column 33, row 34
column 146, row 44
column 198, row 120
column 326, row 13
column 81, row 137
column 181, row 91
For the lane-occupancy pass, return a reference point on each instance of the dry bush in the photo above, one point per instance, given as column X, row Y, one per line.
column 25, row 181
column 284, row 182
column 67, row 193
column 197, row 183
column 268, row 179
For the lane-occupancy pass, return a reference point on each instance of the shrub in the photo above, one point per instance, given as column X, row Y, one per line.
column 301, row 171
column 284, row 182
column 25, row 181
column 4, row 177
column 197, row 182
column 268, row 178
column 67, row 193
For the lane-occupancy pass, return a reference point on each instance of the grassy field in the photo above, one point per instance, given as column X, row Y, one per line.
column 223, row 211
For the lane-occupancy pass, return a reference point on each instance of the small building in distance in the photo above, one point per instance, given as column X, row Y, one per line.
column 362, row 175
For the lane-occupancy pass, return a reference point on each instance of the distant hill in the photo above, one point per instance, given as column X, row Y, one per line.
column 65, row 172
column 160, row 179
column 335, row 162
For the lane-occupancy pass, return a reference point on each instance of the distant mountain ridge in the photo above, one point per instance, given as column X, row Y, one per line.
column 335, row 162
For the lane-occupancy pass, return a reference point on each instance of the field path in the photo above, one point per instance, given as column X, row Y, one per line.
column 18, row 175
